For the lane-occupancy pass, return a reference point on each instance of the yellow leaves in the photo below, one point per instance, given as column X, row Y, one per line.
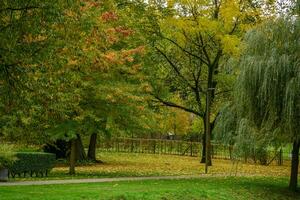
column 110, row 56
column 146, row 87
column 229, row 12
column 209, row 26
column 79, row 118
column 230, row 44
column 30, row 38
column 170, row 3
column 175, row 120
column 25, row 120
column 70, row 13
column 72, row 62
column 110, row 98
column 130, row 164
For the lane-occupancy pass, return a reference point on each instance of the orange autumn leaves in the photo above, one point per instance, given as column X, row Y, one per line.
column 123, row 56
column 109, row 16
column 116, row 34
column 107, row 44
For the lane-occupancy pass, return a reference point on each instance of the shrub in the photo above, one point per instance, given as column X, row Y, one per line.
column 7, row 157
column 32, row 162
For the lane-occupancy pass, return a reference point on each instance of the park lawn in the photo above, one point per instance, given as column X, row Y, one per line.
column 133, row 164
column 203, row 188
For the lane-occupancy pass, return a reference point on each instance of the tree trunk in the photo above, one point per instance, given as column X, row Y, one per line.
column 80, row 153
column 203, row 158
column 72, row 157
column 294, row 166
column 92, row 147
column 203, row 148
column 208, row 131
column 211, row 84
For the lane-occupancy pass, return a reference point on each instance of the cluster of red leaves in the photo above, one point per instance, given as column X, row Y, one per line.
column 88, row 4
column 109, row 16
column 124, row 55
column 125, row 32
column 138, row 50
column 114, row 34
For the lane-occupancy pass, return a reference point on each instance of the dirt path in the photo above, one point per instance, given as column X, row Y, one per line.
column 103, row 180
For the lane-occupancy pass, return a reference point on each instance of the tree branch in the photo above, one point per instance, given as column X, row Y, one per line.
column 212, row 124
column 200, row 38
column 171, row 104
column 221, row 92
column 175, row 68
column 186, row 51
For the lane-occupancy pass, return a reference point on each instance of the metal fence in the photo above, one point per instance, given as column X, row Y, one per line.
column 185, row 148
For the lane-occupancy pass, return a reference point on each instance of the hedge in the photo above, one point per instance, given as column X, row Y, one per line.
column 37, row 163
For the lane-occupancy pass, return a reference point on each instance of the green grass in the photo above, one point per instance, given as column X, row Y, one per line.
column 204, row 188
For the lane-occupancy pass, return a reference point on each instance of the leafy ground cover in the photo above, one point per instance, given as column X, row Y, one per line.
column 203, row 188
column 128, row 164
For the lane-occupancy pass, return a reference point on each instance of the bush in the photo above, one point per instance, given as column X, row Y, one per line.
column 32, row 162
column 7, row 157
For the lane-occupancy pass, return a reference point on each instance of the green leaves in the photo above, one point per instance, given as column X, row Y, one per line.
column 269, row 68
column 266, row 99
column 66, row 130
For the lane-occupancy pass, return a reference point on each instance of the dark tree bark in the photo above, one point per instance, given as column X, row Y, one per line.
column 80, row 153
column 92, row 147
column 210, row 95
column 203, row 156
column 72, row 157
column 294, row 167
column 208, row 129
column 203, row 148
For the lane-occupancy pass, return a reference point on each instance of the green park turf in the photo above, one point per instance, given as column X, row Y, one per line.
column 190, row 189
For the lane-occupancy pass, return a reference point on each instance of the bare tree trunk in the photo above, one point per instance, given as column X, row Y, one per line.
column 203, row 148
column 92, row 147
column 72, row 157
column 294, row 167
column 208, row 130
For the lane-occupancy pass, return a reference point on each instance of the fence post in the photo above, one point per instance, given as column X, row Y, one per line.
column 230, row 151
column 191, row 145
column 280, row 159
column 200, row 149
column 118, row 145
column 131, row 145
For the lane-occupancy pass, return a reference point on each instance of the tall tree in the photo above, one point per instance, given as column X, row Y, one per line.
column 89, row 79
column 194, row 40
column 30, row 33
column 267, row 94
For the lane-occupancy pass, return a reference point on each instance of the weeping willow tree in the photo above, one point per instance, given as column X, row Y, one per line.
column 266, row 107
column 267, row 97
